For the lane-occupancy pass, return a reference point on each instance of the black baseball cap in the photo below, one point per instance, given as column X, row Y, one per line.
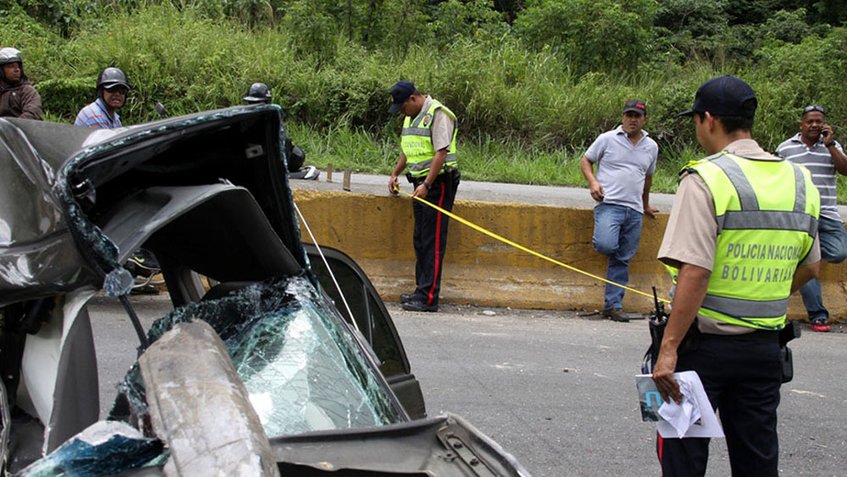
column 635, row 106
column 724, row 96
column 400, row 92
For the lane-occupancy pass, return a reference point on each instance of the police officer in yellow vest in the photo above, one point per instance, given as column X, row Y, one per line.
column 743, row 236
column 428, row 148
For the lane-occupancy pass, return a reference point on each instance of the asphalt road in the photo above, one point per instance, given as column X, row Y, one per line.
column 556, row 389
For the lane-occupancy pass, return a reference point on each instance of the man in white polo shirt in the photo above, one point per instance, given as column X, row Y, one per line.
column 626, row 160
column 816, row 148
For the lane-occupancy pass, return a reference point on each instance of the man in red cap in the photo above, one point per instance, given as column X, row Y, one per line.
column 626, row 160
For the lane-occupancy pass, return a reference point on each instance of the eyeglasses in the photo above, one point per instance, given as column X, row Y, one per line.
column 814, row 108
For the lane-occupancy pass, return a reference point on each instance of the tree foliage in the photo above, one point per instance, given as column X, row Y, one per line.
column 591, row 34
column 540, row 73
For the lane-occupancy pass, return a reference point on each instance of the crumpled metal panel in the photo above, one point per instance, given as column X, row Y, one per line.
column 303, row 371
column 37, row 254
column 103, row 251
column 47, row 242
column 96, row 245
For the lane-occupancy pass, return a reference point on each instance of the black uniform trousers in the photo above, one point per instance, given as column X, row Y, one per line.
column 430, row 235
column 742, row 377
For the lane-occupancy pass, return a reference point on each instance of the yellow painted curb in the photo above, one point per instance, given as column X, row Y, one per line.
column 377, row 232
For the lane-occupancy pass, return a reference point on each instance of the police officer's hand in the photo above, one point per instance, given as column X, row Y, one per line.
column 663, row 376
column 421, row 191
column 393, row 185
column 597, row 192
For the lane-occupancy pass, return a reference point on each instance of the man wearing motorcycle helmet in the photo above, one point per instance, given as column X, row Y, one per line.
column 18, row 99
column 112, row 89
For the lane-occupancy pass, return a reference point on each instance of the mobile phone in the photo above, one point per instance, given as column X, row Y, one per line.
column 824, row 133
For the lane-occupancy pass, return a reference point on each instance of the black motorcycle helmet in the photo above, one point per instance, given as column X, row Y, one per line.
column 111, row 77
column 11, row 55
column 258, row 93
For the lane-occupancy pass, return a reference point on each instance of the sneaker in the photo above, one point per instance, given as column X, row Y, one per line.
column 146, row 289
column 819, row 324
column 417, row 305
column 615, row 314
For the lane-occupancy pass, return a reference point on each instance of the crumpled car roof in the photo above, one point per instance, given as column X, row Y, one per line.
column 49, row 240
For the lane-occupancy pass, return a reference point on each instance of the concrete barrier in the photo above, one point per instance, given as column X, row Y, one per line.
column 376, row 230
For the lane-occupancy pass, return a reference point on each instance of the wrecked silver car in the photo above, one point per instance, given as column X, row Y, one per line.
column 281, row 360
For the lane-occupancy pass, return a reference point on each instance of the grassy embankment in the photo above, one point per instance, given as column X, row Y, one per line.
column 525, row 117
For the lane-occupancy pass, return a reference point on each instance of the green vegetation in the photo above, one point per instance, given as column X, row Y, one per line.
column 533, row 82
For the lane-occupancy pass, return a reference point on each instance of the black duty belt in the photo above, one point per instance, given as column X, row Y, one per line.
column 757, row 335
column 445, row 172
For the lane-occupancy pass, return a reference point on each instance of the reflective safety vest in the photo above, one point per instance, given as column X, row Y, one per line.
column 416, row 140
column 767, row 214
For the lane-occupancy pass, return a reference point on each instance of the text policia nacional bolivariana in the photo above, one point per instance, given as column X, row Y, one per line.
column 790, row 254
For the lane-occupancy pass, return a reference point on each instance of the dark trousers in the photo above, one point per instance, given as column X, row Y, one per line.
column 430, row 236
column 742, row 378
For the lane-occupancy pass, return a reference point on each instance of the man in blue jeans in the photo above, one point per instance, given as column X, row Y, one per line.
column 626, row 159
column 816, row 148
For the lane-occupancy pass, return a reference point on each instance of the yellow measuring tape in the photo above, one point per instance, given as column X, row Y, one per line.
column 525, row 249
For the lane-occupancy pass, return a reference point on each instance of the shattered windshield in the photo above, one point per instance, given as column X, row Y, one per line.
column 302, row 370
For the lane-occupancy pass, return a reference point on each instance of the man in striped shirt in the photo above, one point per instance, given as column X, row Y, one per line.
column 112, row 89
column 816, row 148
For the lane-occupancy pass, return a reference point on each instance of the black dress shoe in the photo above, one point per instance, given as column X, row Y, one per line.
column 407, row 297
column 417, row 305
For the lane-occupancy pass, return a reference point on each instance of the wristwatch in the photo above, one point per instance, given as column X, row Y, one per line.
column 428, row 187
column 830, row 143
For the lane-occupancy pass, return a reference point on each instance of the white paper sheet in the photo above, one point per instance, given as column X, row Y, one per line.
column 694, row 417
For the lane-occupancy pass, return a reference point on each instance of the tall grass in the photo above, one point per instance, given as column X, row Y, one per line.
column 525, row 116
column 485, row 159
